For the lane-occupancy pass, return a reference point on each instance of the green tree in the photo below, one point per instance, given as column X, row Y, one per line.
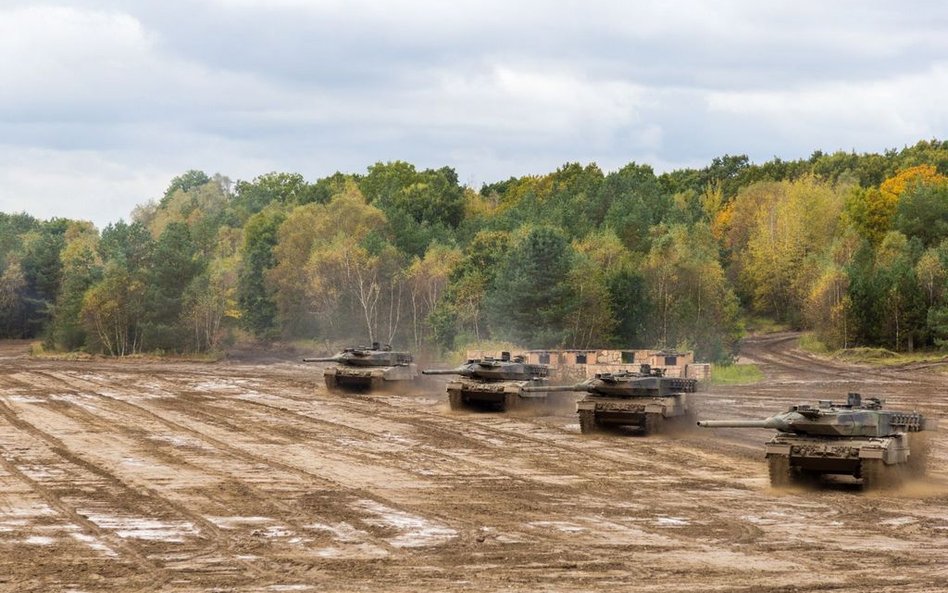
column 185, row 182
column 532, row 298
column 81, row 268
column 174, row 266
column 286, row 189
column 256, row 300
column 923, row 213
column 421, row 206
column 636, row 204
column 694, row 307
column 112, row 310
column 13, row 321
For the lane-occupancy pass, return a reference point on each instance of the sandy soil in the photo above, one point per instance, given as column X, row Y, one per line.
column 248, row 476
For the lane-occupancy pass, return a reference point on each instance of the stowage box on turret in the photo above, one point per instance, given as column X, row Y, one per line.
column 368, row 368
column 644, row 399
column 857, row 438
column 491, row 384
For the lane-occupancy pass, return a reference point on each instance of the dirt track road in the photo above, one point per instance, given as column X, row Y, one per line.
column 130, row 476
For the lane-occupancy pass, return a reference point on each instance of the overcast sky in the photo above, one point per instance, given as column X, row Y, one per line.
column 102, row 102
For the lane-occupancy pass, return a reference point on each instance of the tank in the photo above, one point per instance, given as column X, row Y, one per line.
column 366, row 368
column 644, row 400
column 495, row 384
column 858, row 439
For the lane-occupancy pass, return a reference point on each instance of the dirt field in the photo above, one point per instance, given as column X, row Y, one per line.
column 241, row 476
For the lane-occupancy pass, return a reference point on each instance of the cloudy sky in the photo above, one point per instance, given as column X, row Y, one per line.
column 102, row 102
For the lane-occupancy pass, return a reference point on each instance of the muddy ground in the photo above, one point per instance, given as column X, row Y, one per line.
column 248, row 476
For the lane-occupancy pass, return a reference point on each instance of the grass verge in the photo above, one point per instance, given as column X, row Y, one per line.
column 736, row 374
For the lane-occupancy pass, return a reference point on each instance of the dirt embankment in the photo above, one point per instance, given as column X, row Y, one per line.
column 242, row 476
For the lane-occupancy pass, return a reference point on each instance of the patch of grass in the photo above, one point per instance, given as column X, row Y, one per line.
column 764, row 325
column 866, row 355
column 735, row 374
column 883, row 357
column 810, row 343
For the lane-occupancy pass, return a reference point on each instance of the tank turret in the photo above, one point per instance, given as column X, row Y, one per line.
column 647, row 382
column 642, row 400
column 367, row 356
column 852, row 419
column 487, row 369
column 494, row 383
column 857, row 438
column 367, row 367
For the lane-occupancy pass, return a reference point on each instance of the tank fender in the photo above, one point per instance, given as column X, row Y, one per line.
column 872, row 453
column 582, row 405
column 654, row 408
column 778, row 449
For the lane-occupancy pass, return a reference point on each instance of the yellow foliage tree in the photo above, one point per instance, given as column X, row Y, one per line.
column 896, row 185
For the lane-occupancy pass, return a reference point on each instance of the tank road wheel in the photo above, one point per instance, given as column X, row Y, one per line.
column 587, row 422
column 455, row 400
column 779, row 468
column 652, row 423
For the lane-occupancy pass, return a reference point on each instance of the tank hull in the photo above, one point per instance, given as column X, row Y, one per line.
column 647, row 414
column 500, row 396
column 349, row 378
column 877, row 461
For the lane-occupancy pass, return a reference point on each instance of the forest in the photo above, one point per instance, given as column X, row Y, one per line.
column 851, row 246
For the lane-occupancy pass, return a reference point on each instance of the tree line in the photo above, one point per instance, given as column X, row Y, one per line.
column 852, row 246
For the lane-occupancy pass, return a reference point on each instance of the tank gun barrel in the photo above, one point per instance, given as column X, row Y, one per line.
column 442, row 372
column 551, row 388
column 769, row 423
column 321, row 359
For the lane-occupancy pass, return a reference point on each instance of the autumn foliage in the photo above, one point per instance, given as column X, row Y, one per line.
column 854, row 247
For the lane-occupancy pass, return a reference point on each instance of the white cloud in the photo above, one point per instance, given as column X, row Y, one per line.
column 902, row 107
column 104, row 101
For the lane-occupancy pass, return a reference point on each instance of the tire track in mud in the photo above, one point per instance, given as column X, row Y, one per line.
column 812, row 540
column 500, row 498
column 140, row 498
column 353, row 497
column 776, row 351
column 452, row 520
column 251, row 460
column 480, row 429
column 57, row 501
column 459, row 426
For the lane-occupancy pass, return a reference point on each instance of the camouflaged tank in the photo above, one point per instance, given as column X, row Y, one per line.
column 857, row 438
column 368, row 368
column 495, row 384
column 644, row 400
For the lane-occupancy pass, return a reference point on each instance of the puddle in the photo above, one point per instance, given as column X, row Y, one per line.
column 144, row 528
column 26, row 399
column 559, row 526
column 178, row 441
column 238, row 521
column 416, row 531
column 898, row 521
column 672, row 521
column 93, row 543
column 341, row 531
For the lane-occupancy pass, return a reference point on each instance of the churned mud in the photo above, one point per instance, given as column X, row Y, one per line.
column 248, row 476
